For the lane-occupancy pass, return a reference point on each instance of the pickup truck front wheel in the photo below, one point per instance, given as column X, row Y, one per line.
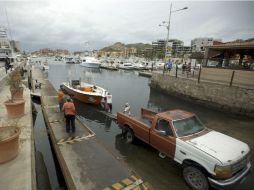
column 195, row 178
column 129, row 136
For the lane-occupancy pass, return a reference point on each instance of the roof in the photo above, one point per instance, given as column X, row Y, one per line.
column 233, row 45
column 175, row 114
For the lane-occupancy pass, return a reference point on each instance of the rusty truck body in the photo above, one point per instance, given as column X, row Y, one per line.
column 209, row 158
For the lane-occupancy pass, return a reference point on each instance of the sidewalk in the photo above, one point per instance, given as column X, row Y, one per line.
column 19, row 174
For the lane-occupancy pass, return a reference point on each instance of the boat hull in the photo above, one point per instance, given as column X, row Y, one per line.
column 109, row 68
column 89, row 99
column 90, row 65
column 127, row 68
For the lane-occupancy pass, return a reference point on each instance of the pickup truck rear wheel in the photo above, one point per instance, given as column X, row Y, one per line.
column 195, row 178
column 129, row 136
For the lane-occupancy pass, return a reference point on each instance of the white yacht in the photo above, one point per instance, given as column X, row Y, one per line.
column 126, row 66
column 91, row 62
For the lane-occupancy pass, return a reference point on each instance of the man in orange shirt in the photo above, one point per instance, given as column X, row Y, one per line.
column 69, row 112
column 60, row 95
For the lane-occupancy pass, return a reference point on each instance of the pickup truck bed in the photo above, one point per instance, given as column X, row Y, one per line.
column 141, row 126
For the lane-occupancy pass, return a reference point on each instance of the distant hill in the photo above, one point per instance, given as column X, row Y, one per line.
column 250, row 40
column 118, row 46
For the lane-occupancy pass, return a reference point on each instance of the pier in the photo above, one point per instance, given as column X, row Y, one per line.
column 84, row 161
column 18, row 173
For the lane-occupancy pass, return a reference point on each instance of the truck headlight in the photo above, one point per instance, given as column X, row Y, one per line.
column 223, row 171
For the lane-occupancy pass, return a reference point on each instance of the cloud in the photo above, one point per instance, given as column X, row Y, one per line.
column 69, row 24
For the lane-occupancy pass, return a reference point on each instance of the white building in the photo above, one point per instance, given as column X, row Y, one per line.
column 5, row 45
column 199, row 44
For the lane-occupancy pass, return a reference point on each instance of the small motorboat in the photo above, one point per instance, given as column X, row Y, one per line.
column 84, row 92
column 70, row 60
column 45, row 67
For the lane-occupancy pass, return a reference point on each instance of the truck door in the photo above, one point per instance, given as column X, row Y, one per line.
column 162, row 137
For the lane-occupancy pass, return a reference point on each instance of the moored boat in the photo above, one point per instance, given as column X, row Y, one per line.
column 90, row 62
column 126, row 66
column 109, row 66
column 45, row 67
column 84, row 92
column 70, row 60
column 139, row 66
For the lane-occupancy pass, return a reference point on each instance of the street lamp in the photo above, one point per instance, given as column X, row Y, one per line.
column 167, row 25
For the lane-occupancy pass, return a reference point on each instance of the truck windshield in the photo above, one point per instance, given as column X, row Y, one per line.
column 188, row 126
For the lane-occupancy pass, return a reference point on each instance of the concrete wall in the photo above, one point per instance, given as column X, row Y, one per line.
column 232, row 99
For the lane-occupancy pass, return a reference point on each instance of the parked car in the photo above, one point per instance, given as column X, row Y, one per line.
column 209, row 158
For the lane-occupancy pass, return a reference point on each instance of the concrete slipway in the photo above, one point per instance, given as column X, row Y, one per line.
column 84, row 161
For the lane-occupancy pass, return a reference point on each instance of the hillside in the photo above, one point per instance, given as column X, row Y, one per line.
column 118, row 46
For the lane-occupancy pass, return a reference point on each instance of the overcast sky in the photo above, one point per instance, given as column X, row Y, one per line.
column 70, row 23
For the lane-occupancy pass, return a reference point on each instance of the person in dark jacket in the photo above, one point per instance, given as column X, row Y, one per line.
column 188, row 69
column 7, row 64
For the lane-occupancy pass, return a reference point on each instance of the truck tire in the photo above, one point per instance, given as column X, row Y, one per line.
column 129, row 136
column 195, row 178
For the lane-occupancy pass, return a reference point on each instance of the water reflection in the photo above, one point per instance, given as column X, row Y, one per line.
column 44, row 153
column 93, row 114
column 92, row 70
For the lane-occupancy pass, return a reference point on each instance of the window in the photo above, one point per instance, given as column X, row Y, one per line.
column 188, row 126
column 163, row 125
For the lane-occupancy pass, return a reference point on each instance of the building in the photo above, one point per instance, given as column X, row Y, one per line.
column 5, row 46
column 50, row 52
column 123, row 52
column 231, row 54
column 199, row 44
column 15, row 46
column 177, row 48
column 183, row 50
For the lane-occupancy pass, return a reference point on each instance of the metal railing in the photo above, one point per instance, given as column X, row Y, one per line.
column 236, row 74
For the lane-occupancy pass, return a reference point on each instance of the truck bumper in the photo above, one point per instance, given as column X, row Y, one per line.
column 229, row 183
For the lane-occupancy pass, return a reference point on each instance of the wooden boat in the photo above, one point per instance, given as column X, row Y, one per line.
column 85, row 92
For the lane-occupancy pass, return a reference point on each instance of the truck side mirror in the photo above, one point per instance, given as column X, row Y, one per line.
column 163, row 133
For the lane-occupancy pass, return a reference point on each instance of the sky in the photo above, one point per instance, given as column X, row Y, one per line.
column 93, row 24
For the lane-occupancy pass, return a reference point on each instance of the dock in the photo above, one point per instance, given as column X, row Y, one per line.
column 84, row 161
column 18, row 173
column 145, row 74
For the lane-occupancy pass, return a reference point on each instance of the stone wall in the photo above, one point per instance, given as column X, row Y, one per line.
column 231, row 99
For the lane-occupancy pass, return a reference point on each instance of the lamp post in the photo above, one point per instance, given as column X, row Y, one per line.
column 167, row 25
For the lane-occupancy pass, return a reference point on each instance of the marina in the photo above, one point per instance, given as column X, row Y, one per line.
column 103, row 126
column 114, row 96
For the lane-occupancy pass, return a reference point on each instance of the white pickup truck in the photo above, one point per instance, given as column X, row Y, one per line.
column 209, row 158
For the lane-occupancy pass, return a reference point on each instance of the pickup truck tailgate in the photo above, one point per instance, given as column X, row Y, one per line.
column 140, row 129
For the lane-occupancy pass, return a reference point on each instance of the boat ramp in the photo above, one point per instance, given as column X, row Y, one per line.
column 84, row 161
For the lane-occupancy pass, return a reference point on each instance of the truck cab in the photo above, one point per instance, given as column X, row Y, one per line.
column 209, row 158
